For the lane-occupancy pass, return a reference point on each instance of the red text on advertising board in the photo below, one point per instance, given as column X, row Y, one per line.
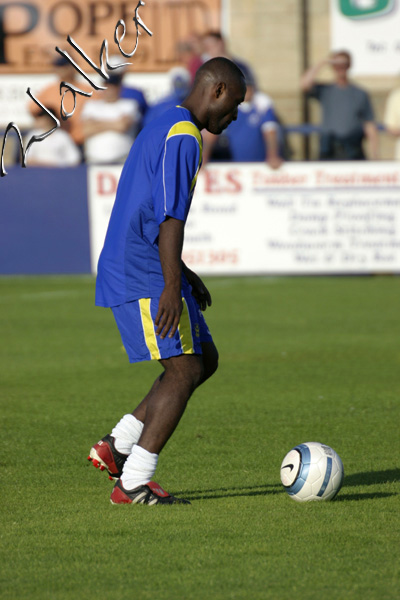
column 222, row 182
column 106, row 184
column 209, row 257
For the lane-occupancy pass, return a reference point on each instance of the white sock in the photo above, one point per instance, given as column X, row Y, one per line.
column 139, row 468
column 126, row 433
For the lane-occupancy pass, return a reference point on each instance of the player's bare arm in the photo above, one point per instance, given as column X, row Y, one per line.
column 199, row 290
column 170, row 248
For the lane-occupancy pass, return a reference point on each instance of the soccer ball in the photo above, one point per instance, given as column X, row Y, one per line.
column 312, row 471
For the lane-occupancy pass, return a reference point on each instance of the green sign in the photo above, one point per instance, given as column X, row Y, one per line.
column 361, row 9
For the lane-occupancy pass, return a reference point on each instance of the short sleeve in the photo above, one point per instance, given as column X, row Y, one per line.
column 367, row 110
column 174, row 187
column 265, row 108
column 316, row 91
column 270, row 121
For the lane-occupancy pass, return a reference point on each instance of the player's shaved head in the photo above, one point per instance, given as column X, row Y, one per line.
column 218, row 69
column 218, row 89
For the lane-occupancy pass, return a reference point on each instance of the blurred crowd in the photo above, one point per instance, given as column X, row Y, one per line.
column 104, row 126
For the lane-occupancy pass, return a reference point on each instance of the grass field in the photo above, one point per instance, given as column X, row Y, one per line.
column 301, row 359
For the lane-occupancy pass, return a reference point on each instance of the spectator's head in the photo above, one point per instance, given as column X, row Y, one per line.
column 189, row 47
column 213, row 45
column 180, row 82
column 184, row 51
column 118, row 63
column 340, row 62
column 43, row 121
column 113, row 91
column 64, row 69
column 219, row 87
column 195, row 42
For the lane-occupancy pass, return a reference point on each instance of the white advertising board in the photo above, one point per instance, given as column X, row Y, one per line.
column 370, row 31
column 102, row 185
column 306, row 218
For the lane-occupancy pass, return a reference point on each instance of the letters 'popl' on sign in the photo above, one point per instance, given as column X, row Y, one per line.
column 119, row 34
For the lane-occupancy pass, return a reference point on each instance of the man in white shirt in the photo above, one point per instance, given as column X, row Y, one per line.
column 108, row 124
column 56, row 150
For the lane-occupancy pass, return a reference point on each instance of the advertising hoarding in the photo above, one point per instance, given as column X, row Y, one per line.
column 306, row 218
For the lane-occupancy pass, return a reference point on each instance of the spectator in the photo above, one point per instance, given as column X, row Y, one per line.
column 256, row 134
column 347, row 114
column 107, row 125
column 180, row 85
column 50, row 96
column 189, row 54
column 127, row 92
column 56, row 150
column 213, row 45
column 391, row 118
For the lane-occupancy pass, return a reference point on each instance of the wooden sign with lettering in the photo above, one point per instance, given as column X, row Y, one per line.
column 30, row 30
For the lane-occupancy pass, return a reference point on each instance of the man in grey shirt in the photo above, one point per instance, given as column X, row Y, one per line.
column 347, row 114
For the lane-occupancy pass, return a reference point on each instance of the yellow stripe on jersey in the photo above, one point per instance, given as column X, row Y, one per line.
column 148, row 328
column 185, row 330
column 185, row 128
column 188, row 128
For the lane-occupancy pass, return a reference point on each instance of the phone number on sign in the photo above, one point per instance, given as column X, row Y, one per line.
column 211, row 257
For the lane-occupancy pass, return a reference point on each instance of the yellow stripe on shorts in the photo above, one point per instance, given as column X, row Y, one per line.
column 148, row 328
column 185, row 330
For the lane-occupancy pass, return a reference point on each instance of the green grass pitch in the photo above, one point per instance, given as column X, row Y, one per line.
column 301, row 359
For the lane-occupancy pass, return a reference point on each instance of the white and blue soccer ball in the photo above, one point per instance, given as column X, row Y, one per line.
column 312, row 471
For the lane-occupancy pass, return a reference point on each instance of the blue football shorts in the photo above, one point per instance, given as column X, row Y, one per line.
column 135, row 322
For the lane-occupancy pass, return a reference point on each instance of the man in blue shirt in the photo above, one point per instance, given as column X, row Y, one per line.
column 256, row 134
column 156, row 300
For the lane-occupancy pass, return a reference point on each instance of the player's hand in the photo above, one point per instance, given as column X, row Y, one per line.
column 169, row 312
column 199, row 290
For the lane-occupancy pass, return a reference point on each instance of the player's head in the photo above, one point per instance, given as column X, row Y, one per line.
column 218, row 89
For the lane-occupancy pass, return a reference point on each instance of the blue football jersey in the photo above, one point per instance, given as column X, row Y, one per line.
column 157, row 181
